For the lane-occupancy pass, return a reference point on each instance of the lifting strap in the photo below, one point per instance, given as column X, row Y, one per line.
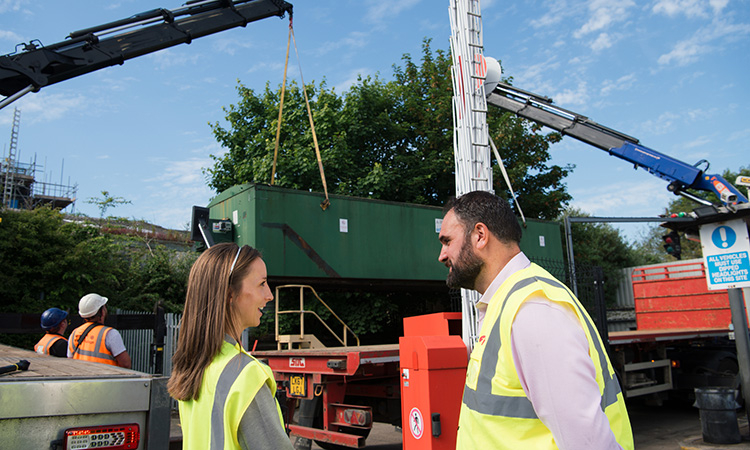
column 325, row 203
column 281, row 105
column 507, row 179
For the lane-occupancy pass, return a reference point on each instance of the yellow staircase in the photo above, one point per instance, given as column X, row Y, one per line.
column 302, row 340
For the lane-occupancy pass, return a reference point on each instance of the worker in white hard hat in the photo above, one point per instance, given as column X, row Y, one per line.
column 94, row 341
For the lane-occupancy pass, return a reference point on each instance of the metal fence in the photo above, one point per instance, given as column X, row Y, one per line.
column 589, row 284
column 140, row 344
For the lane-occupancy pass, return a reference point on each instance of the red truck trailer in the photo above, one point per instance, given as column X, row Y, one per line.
column 333, row 395
column 683, row 334
column 681, row 340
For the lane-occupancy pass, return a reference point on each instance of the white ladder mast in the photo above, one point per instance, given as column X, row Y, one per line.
column 470, row 133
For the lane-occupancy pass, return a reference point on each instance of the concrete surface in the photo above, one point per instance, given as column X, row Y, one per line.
column 667, row 427
column 696, row 442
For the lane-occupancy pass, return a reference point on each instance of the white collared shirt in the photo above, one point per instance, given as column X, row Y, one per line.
column 518, row 262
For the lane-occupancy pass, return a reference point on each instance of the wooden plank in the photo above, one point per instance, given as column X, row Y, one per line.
column 49, row 367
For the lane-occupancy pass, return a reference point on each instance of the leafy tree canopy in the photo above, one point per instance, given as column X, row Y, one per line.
column 653, row 244
column 600, row 244
column 390, row 140
column 48, row 261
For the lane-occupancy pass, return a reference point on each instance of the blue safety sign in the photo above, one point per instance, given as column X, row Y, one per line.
column 726, row 254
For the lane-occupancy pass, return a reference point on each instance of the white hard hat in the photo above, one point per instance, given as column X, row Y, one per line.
column 90, row 304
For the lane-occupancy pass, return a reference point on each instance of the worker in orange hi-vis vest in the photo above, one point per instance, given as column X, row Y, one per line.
column 54, row 321
column 94, row 341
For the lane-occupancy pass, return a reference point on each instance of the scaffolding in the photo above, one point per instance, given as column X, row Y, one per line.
column 21, row 189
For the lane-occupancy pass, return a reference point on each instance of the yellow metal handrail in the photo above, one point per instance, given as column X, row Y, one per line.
column 301, row 311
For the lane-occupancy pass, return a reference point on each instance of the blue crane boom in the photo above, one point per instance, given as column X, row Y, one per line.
column 682, row 177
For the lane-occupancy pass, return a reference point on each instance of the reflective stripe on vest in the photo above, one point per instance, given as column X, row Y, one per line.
column 485, row 402
column 94, row 346
column 226, row 380
column 42, row 347
column 229, row 385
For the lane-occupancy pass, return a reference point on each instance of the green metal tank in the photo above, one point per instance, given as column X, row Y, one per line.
column 353, row 238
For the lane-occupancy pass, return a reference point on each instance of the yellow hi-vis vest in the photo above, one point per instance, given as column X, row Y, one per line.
column 495, row 412
column 229, row 385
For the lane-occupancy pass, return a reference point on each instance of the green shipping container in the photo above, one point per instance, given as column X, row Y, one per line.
column 354, row 238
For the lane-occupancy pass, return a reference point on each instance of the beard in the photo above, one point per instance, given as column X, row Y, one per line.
column 465, row 270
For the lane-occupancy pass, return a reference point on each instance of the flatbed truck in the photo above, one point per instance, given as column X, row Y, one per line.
column 61, row 403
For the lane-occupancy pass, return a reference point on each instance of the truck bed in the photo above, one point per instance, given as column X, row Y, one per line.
column 43, row 367
column 627, row 337
column 59, row 394
column 350, row 359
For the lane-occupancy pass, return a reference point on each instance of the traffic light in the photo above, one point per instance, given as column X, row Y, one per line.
column 672, row 244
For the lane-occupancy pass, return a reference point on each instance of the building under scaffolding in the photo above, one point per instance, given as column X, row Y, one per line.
column 21, row 189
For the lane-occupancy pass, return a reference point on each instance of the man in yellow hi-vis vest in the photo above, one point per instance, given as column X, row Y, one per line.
column 538, row 376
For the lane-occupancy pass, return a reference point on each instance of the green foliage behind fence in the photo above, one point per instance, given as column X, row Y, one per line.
column 46, row 261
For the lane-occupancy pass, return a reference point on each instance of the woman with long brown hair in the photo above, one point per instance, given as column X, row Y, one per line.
column 226, row 396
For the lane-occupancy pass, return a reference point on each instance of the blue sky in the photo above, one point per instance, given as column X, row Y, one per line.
column 672, row 73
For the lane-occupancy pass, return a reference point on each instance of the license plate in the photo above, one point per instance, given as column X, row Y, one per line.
column 297, row 386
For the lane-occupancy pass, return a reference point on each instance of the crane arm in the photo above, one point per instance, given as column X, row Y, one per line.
column 681, row 176
column 113, row 43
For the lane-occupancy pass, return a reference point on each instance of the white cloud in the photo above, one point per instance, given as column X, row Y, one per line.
column 558, row 10
column 354, row 75
column 739, row 135
column 667, row 121
column 164, row 59
column 690, row 8
column 11, row 5
column 602, row 42
column 10, row 36
column 603, row 14
column 179, row 186
column 623, row 83
column 623, row 199
column 353, row 40
column 703, row 41
column 184, row 173
column 230, row 46
column 698, row 142
column 685, row 52
column 693, row 115
column 662, row 125
column 275, row 67
column 381, row 10
column 718, row 5
column 533, row 76
column 579, row 96
column 42, row 107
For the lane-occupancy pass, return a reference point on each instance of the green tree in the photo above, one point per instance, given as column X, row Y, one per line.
column 156, row 275
column 652, row 242
column 387, row 140
column 106, row 201
column 600, row 244
column 46, row 261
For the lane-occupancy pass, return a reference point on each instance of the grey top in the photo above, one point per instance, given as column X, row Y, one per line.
column 259, row 428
